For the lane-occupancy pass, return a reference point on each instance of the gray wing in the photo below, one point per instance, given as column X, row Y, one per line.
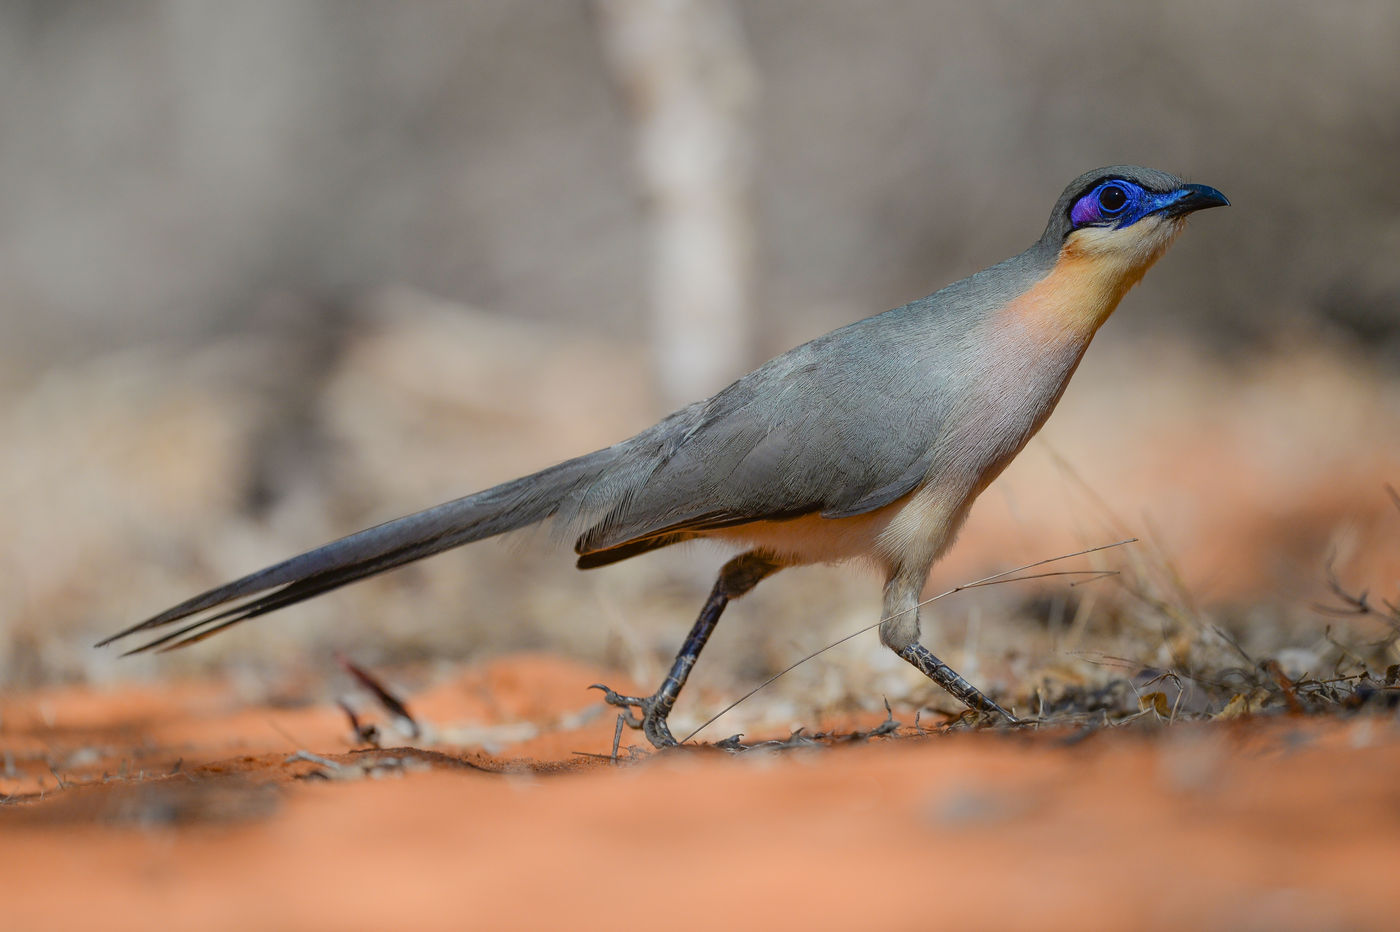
column 839, row 426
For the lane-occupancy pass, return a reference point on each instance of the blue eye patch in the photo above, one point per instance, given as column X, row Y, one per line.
column 1118, row 204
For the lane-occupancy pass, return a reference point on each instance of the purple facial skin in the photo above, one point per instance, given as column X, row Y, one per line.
column 1086, row 210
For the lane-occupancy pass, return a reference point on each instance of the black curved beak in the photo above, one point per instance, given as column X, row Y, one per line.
column 1193, row 197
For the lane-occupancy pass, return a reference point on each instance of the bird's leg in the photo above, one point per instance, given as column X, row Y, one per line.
column 737, row 577
column 930, row 666
column 900, row 633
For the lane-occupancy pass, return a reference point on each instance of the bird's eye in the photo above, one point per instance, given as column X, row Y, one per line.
column 1112, row 198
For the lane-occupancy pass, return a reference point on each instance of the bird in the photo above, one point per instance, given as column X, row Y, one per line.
column 867, row 444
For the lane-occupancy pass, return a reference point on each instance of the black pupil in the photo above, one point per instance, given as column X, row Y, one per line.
column 1112, row 198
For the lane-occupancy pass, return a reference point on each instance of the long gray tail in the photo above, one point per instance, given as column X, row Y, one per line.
column 550, row 493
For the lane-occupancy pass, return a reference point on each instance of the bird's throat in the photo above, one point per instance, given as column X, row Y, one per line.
column 1092, row 272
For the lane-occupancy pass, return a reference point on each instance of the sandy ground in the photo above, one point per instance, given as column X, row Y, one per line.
column 185, row 806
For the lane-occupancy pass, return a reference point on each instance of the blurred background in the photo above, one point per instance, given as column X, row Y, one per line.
column 272, row 272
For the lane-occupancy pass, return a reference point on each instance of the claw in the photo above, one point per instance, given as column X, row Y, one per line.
column 625, row 703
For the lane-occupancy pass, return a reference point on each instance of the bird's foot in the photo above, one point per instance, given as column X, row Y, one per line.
column 652, row 719
column 991, row 713
column 994, row 712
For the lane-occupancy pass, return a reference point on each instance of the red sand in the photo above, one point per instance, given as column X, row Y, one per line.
column 1279, row 824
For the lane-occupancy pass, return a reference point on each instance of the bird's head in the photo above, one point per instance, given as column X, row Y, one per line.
column 1124, row 216
column 1106, row 230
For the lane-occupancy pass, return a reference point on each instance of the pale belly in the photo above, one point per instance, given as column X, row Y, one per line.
column 915, row 530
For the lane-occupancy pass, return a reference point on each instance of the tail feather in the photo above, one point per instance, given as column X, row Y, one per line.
column 289, row 594
column 506, row 507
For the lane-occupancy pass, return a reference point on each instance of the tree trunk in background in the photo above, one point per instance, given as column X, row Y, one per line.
column 684, row 70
